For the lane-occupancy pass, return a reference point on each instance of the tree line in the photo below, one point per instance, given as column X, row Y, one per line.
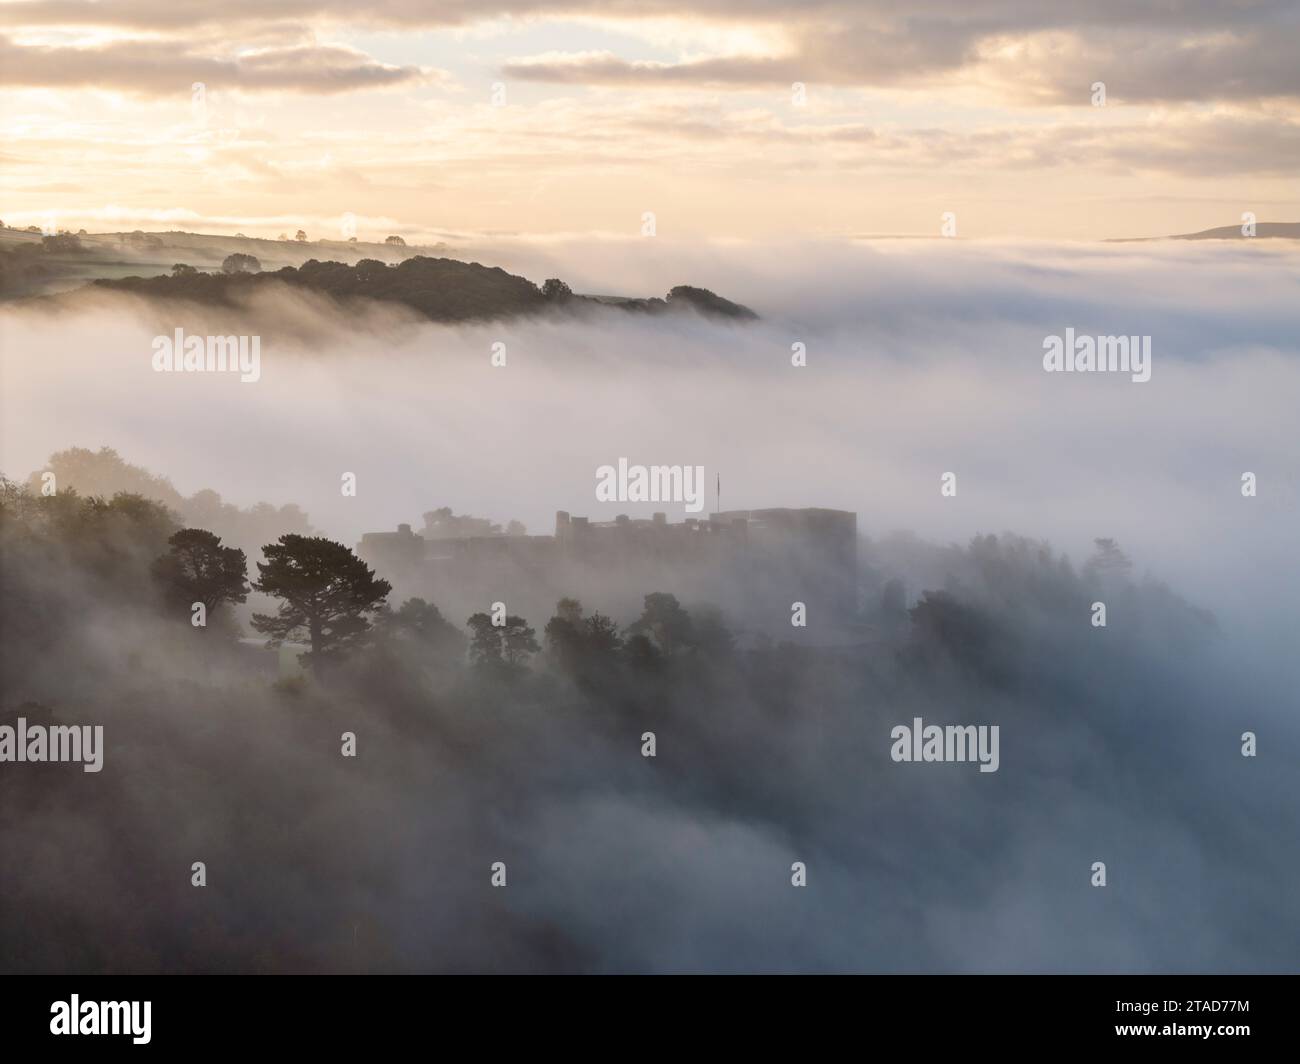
column 67, row 558
column 333, row 602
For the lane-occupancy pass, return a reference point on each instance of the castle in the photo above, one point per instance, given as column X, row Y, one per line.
column 752, row 564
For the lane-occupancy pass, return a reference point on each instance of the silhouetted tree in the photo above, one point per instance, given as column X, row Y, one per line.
column 664, row 621
column 500, row 647
column 240, row 263
column 601, row 634
column 395, row 240
column 1107, row 562
column 63, row 242
column 485, row 642
column 641, row 653
column 942, row 624
column 182, row 269
column 584, row 648
column 300, row 236
column 519, row 642
column 113, row 542
column 563, row 634
column 421, row 625
column 556, row 290
column 199, row 569
column 327, row 592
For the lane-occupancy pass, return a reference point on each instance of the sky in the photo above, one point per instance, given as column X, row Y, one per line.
column 728, row 120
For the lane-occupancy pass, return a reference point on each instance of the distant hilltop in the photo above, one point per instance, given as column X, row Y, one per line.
column 35, row 263
column 1263, row 231
column 224, row 271
column 440, row 289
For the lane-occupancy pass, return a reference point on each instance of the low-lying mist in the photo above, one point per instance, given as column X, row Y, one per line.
column 923, row 358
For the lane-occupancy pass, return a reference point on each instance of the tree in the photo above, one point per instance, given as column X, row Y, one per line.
column 641, row 654
column 63, row 242
column 420, row 625
column 1107, row 562
column 519, row 642
column 516, row 528
column 563, row 633
column 664, row 621
column 240, row 263
column 105, row 472
column 395, row 240
column 370, row 269
column 584, row 648
column 485, row 642
column 199, row 569
column 181, row 269
column 327, row 592
column 602, row 636
column 283, row 236
column 556, row 290
column 579, row 644
column 300, row 236
column 505, row 647
column 944, row 625
column 60, row 554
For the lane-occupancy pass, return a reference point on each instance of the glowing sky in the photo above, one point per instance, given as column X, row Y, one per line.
column 576, row 117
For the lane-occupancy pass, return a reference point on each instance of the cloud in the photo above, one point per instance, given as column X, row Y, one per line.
column 159, row 68
column 605, row 68
column 1163, row 65
column 1203, row 51
column 656, row 107
column 1032, row 52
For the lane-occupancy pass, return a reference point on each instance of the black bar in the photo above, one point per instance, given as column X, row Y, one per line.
column 797, row 1014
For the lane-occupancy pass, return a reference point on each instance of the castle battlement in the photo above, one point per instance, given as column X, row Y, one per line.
column 751, row 562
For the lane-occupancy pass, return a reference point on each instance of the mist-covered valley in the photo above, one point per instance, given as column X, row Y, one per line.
column 1120, row 744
